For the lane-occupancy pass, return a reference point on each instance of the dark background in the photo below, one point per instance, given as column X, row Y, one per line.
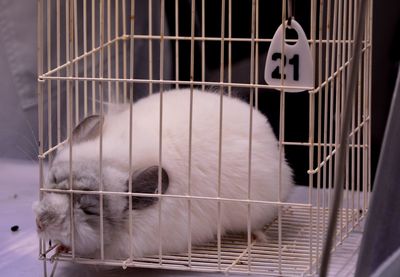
column 385, row 62
column 386, row 55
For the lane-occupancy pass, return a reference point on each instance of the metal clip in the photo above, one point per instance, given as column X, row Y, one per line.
column 289, row 12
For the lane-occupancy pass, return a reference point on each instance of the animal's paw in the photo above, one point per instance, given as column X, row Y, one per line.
column 259, row 236
column 62, row 249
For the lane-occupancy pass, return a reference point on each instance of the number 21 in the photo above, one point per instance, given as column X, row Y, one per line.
column 293, row 61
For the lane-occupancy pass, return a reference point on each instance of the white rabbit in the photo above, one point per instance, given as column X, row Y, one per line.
column 53, row 212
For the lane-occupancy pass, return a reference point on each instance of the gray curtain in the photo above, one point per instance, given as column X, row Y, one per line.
column 381, row 237
column 18, row 98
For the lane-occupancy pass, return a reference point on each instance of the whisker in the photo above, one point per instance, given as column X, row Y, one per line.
column 34, row 145
column 27, row 140
column 32, row 132
column 27, row 154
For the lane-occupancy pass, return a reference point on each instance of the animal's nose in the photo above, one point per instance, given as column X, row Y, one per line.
column 39, row 224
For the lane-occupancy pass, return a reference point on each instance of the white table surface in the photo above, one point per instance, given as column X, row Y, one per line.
column 19, row 250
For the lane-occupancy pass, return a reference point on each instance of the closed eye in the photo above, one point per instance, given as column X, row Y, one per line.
column 90, row 211
column 89, row 204
column 57, row 179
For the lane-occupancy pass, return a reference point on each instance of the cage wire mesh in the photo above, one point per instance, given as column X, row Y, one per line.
column 95, row 52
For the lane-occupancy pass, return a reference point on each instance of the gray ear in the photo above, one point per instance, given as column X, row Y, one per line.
column 87, row 129
column 146, row 181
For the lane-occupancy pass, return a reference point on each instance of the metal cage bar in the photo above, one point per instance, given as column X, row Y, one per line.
column 89, row 58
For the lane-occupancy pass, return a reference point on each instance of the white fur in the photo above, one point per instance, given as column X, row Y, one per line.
column 175, row 158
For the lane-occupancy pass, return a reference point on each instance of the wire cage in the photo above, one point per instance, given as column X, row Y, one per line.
column 95, row 52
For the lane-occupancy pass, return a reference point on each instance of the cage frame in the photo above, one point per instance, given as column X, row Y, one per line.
column 319, row 145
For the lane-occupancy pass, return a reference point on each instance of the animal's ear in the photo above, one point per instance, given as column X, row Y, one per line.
column 146, row 181
column 87, row 129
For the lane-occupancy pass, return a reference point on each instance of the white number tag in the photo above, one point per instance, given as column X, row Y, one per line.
column 298, row 70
